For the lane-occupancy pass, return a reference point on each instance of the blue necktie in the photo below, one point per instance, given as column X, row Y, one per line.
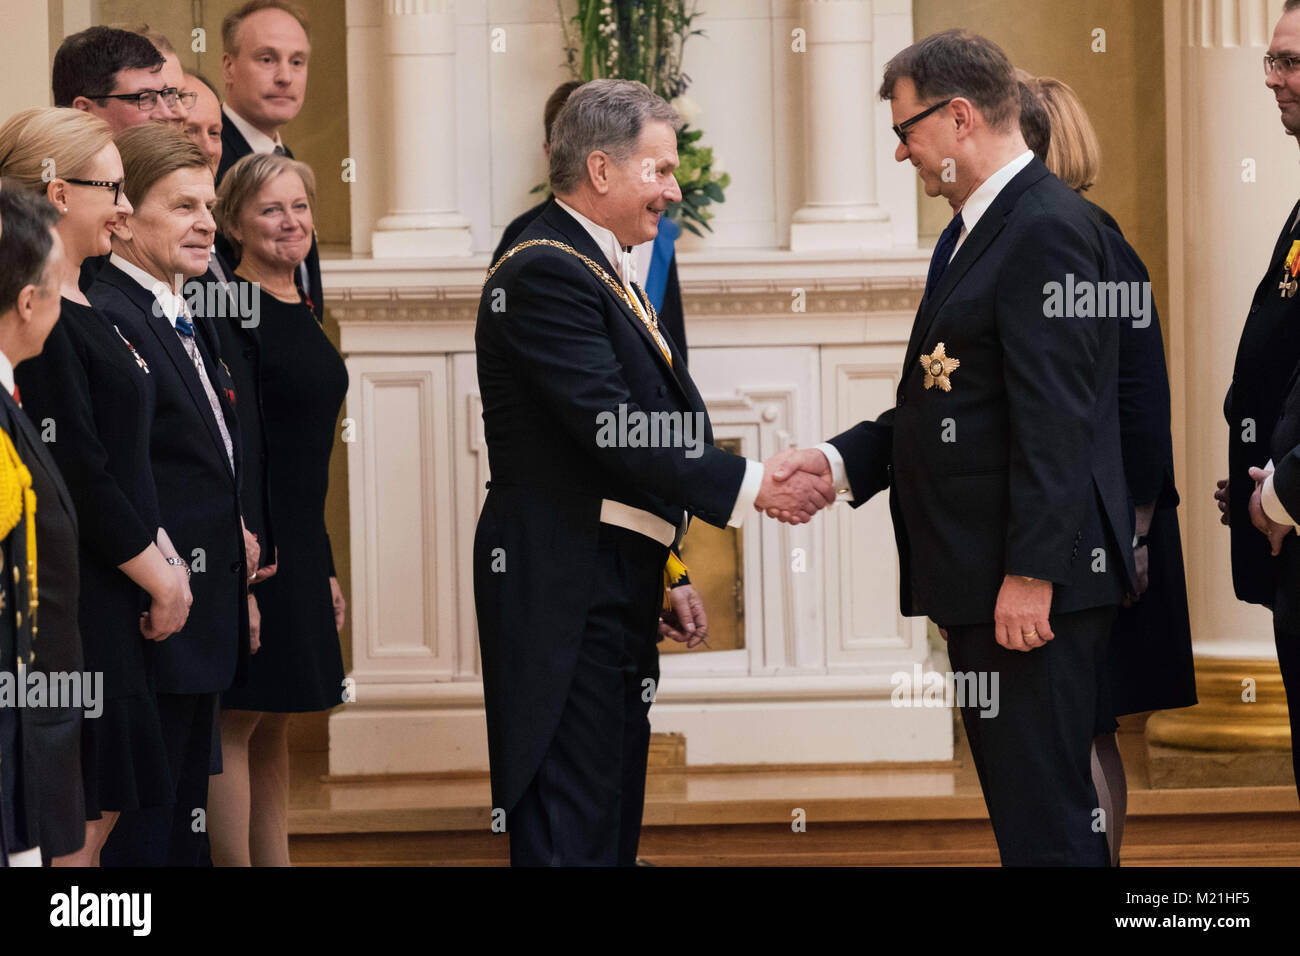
column 184, row 326
column 942, row 253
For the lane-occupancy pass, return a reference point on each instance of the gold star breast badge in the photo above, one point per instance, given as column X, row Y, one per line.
column 938, row 367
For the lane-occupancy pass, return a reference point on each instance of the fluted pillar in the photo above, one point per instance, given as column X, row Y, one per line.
column 419, row 42
column 1234, row 174
column 840, row 211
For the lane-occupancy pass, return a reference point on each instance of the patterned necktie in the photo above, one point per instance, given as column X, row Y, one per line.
column 943, row 251
column 185, row 329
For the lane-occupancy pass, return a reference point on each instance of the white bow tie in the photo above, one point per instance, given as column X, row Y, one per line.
column 626, row 266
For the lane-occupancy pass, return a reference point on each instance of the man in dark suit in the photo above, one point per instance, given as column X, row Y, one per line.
column 264, row 53
column 196, row 456
column 1002, row 454
column 656, row 261
column 42, row 809
column 582, row 508
column 1261, row 411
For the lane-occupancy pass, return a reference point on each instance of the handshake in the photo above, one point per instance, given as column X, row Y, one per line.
column 797, row 483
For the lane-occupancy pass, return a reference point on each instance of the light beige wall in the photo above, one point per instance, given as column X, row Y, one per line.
column 1123, row 90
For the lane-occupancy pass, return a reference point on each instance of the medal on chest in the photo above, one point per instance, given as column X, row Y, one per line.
column 1287, row 287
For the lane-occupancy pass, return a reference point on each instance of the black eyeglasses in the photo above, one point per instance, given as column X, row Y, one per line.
column 902, row 128
column 148, row 99
column 115, row 185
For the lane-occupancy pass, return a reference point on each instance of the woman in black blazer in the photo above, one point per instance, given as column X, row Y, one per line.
column 1149, row 658
column 92, row 398
column 264, row 207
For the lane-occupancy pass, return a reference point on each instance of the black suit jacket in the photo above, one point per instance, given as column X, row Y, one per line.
column 198, row 494
column 1284, row 449
column 672, row 319
column 1266, row 357
column 557, row 349
column 234, row 148
column 51, row 736
column 239, row 349
column 1017, row 470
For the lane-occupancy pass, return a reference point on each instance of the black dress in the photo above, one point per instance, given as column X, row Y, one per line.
column 1149, row 658
column 93, row 403
column 299, row 667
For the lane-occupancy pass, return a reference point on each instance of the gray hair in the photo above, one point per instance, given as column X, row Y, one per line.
column 605, row 115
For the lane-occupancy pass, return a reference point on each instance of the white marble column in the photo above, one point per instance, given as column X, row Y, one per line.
column 1233, row 175
column 840, row 211
column 419, row 42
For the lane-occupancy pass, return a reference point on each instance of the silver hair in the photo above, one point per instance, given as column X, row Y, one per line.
column 606, row 115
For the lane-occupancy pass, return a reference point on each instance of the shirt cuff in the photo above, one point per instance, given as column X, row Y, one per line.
column 749, row 489
column 1272, row 505
column 842, row 490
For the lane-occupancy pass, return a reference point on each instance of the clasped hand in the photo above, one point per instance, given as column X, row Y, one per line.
column 797, row 483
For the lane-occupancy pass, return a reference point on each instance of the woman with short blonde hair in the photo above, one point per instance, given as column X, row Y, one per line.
column 1073, row 154
column 90, row 382
column 264, row 208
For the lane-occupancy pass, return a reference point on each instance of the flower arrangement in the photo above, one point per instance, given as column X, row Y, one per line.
column 643, row 40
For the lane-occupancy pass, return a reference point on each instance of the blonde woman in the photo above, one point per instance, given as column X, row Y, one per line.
column 264, row 208
column 90, row 385
column 1149, row 658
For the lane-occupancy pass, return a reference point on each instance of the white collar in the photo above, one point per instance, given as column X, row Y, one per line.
column 6, row 373
column 619, row 258
column 258, row 141
column 980, row 200
column 171, row 305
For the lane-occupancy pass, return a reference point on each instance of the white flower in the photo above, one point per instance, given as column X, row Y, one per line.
column 716, row 167
column 688, row 110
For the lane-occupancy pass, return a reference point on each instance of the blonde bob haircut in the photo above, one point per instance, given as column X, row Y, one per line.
column 52, row 142
column 1074, row 154
column 151, row 152
column 244, row 180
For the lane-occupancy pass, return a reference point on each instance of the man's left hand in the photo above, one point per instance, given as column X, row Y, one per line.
column 1020, row 618
column 684, row 622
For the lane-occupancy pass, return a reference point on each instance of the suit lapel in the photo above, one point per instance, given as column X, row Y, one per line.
column 581, row 240
column 975, row 245
column 170, row 341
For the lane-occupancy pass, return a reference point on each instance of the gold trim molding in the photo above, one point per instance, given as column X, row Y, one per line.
column 1227, row 718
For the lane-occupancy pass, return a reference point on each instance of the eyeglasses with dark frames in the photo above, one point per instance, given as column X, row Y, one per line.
column 148, row 99
column 901, row 128
column 188, row 99
column 115, row 185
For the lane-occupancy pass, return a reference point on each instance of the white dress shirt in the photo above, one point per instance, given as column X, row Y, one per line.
column 6, row 373
column 972, row 211
column 621, row 259
column 1271, row 503
column 258, row 141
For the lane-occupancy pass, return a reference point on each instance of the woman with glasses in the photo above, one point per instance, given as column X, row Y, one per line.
column 264, row 207
column 92, row 397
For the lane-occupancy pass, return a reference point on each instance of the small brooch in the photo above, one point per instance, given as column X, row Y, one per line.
column 938, row 367
column 138, row 359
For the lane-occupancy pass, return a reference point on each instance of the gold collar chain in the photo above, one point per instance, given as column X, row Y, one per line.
column 651, row 323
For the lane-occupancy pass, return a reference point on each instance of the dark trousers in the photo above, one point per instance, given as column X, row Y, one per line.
column 1034, row 756
column 172, row 835
column 1286, row 635
column 583, row 806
